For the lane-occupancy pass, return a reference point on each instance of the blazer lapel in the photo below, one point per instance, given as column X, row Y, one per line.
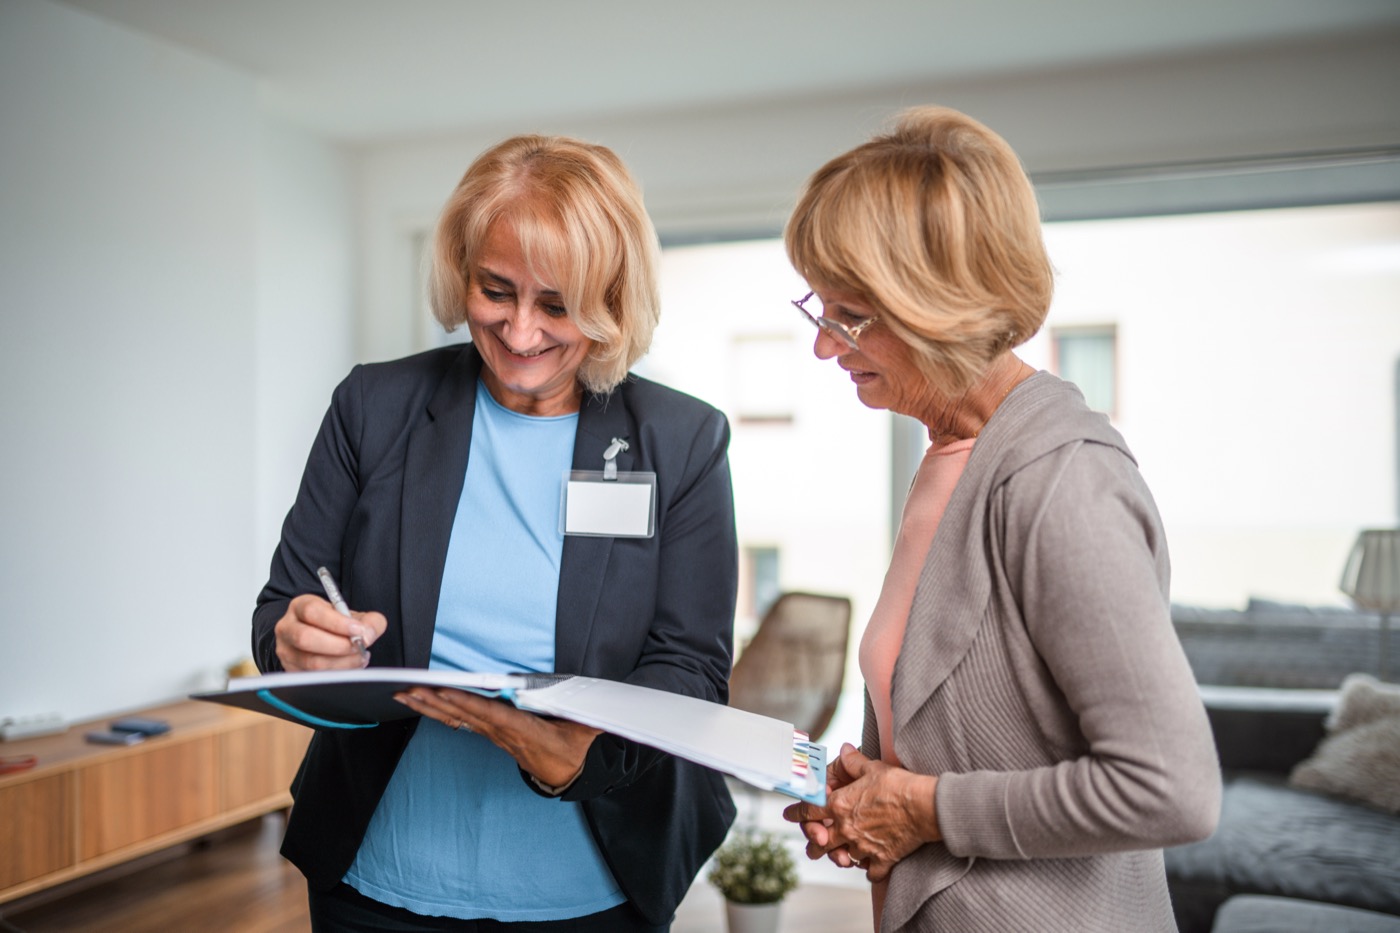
column 585, row 558
column 435, row 466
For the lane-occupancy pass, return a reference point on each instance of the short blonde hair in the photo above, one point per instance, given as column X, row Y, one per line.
column 936, row 225
column 579, row 215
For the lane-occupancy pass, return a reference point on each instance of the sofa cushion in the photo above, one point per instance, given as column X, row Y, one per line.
column 1360, row 758
column 1255, row 914
column 1275, row 839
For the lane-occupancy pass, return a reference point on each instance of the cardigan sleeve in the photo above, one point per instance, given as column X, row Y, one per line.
column 1084, row 554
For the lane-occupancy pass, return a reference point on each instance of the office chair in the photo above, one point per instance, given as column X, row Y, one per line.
column 793, row 668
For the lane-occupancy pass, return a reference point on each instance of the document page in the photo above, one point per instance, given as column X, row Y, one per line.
column 699, row 730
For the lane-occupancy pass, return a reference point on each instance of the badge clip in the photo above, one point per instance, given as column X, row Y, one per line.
column 610, row 504
column 610, row 458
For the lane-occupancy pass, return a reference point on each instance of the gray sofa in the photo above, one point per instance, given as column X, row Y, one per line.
column 1283, row 859
column 1280, row 645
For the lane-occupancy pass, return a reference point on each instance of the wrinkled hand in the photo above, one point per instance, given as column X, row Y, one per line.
column 551, row 749
column 313, row 636
column 874, row 816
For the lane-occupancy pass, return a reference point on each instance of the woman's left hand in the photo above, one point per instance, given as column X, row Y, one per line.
column 551, row 749
column 878, row 817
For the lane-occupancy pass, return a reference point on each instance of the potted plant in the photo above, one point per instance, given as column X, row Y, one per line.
column 754, row 871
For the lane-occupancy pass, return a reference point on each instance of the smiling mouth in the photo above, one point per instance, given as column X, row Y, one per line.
column 524, row 354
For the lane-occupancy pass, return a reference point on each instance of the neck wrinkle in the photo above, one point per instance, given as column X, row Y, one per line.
column 966, row 416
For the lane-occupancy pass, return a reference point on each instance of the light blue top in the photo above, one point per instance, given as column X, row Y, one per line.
column 457, row 833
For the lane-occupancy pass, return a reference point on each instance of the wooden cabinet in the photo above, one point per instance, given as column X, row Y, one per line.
column 84, row 807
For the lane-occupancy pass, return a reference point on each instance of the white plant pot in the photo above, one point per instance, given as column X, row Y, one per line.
column 752, row 918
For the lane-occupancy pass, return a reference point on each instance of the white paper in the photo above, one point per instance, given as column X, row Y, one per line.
column 707, row 733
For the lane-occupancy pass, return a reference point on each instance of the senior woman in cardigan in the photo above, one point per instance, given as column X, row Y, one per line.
column 1033, row 736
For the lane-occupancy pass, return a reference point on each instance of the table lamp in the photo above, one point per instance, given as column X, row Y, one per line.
column 1372, row 580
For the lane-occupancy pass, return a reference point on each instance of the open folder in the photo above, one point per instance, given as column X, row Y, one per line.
column 759, row 750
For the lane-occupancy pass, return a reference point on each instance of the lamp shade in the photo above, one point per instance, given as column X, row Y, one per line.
column 1372, row 574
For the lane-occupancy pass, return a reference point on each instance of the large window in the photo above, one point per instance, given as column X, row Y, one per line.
column 1249, row 358
column 1088, row 357
column 1256, row 356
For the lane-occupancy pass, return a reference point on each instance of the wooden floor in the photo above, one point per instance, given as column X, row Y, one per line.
column 238, row 883
column 235, row 883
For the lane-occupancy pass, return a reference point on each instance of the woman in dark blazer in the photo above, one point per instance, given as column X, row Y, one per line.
column 433, row 494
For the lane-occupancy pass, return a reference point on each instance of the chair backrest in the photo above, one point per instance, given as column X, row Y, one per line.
column 793, row 668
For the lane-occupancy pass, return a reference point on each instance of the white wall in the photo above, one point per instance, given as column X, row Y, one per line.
column 304, row 322
column 132, row 310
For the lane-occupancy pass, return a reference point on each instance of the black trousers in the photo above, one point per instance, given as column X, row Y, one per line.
column 345, row 910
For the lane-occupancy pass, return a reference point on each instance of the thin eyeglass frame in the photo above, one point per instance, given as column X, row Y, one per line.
column 847, row 335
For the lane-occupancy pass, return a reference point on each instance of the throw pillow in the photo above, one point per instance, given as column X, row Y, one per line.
column 1360, row 757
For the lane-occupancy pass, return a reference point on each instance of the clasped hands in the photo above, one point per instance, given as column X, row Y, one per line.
column 875, row 814
column 313, row 636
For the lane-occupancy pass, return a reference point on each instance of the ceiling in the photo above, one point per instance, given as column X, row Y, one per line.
column 362, row 71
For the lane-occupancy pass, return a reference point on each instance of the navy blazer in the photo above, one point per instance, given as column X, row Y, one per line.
column 376, row 506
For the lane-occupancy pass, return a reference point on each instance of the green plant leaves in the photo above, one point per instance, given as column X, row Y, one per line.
column 754, row 868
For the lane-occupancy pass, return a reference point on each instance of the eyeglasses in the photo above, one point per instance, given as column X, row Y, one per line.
column 841, row 332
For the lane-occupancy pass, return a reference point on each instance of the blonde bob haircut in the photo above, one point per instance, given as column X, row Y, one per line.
column 936, row 226
column 582, row 227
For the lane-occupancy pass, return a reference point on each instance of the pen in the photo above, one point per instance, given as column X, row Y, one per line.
column 338, row 601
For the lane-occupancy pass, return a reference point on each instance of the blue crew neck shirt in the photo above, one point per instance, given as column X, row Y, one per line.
column 457, row 832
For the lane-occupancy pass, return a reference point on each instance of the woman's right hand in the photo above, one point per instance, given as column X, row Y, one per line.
column 313, row 636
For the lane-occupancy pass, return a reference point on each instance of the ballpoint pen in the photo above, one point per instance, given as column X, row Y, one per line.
column 338, row 601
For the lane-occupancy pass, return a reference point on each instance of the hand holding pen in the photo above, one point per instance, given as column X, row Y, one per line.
column 316, row 634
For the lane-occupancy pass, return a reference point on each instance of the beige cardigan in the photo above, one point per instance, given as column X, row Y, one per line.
column 1041, row 679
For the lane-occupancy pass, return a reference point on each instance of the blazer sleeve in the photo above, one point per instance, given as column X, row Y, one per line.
column 688, row 647
column 314, row 527
column 1085, row 554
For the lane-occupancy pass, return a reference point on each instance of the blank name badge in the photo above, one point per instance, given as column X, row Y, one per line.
column 624, row 507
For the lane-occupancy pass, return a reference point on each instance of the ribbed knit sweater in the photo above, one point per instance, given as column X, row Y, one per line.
column 1041, row 679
